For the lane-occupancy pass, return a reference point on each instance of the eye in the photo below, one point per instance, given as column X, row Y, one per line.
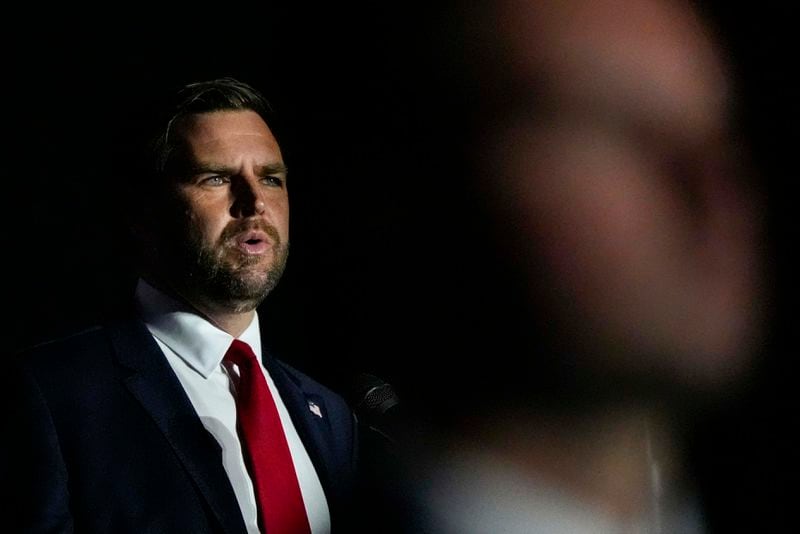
column 213, row 181
column 274, row 181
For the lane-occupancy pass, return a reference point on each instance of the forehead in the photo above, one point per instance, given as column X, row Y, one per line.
column 223, row 131
column 651, row 62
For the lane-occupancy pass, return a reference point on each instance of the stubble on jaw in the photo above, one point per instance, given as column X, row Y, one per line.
column 230, row 278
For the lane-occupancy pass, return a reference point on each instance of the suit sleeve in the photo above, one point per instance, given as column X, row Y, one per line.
column 33, row 470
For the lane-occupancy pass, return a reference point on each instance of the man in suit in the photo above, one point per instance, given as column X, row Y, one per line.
column 137, row 425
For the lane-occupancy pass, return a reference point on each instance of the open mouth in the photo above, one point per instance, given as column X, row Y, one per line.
column 253, row 242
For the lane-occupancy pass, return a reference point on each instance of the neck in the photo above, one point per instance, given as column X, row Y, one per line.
column 232, row 322
column 231, row 319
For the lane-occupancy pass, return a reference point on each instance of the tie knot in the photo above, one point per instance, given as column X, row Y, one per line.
column 240, row 354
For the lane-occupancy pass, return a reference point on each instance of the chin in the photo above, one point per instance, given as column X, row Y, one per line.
column 252, row 290
column 244, row 305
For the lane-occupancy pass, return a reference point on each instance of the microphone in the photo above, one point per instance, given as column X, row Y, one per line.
column 376, row 405
column 382, row 483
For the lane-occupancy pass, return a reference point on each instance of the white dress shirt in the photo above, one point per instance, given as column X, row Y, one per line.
column 194, row 349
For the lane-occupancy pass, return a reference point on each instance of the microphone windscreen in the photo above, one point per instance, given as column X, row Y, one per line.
column 373, row 396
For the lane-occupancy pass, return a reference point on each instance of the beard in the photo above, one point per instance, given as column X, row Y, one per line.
column 221, row 273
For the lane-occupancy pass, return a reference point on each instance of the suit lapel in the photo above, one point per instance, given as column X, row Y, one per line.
column 313, row 429
column 153, row 383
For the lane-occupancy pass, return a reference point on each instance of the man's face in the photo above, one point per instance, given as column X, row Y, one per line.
column 229, row 182
column 625, row 187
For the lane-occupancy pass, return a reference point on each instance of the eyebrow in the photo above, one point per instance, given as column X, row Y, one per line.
column 261, row 170
column 272, row 168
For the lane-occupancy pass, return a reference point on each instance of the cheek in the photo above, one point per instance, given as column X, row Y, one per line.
column 591, row 205
column 610, row 218
column 203, row 225
column 280, row 219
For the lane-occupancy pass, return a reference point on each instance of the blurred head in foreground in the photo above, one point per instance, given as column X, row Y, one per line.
column 600, row 138
column 604, row 142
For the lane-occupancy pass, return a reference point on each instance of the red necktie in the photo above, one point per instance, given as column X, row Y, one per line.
column 280, row 503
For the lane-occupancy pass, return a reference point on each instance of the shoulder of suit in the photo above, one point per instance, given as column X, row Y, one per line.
column 306, row 382
column 68, row 349
column 73, row 338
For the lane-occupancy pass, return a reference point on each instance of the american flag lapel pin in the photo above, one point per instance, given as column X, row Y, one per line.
column 315, row 409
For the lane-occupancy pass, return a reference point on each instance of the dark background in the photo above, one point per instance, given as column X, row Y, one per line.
column 378, row 221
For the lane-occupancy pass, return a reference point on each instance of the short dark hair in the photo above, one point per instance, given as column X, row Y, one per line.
column 221, row 94
column 146, row 141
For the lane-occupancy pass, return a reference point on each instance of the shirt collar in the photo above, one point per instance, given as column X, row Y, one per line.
column 192, row 337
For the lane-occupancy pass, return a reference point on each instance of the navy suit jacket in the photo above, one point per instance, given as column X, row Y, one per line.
column 108, row 441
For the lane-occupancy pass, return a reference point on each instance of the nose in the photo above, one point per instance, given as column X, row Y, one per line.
column 246, row 199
